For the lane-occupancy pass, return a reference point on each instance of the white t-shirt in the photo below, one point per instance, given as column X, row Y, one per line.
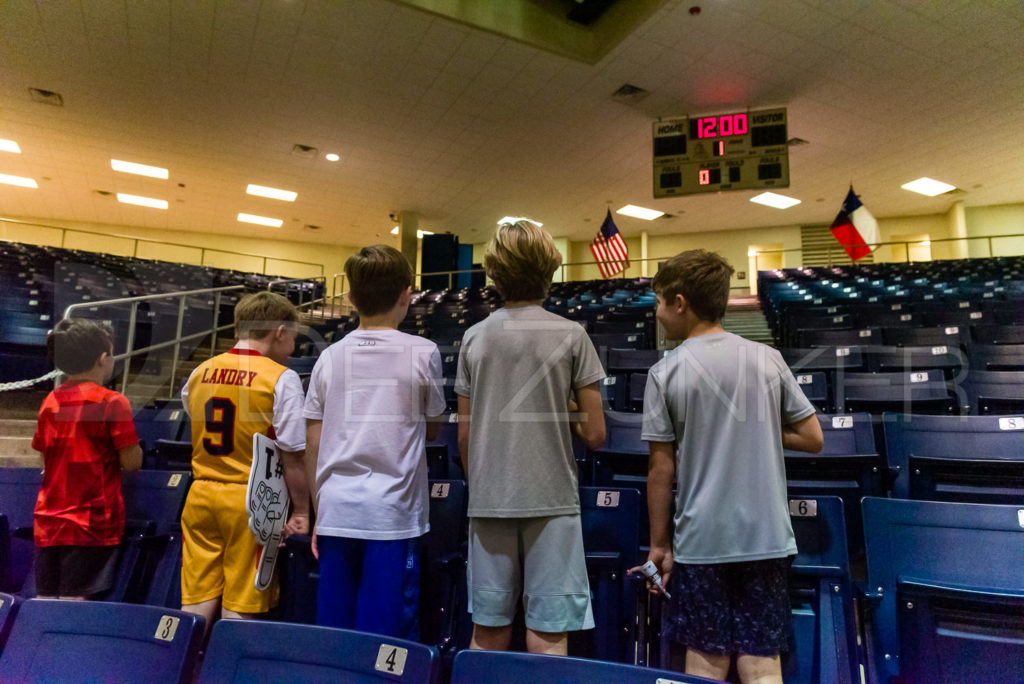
column 372, row 390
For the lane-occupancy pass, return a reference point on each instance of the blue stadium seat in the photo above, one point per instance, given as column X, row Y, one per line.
column 443, row 461
column 944, row 335
column 250, row 650
column 8, row 609
column 910, row 392
column 997, row 357
column 611, row 528
column 838, row 338
column 636, row 340
column 994, row 392
column 998, row 334
column 947, row 358
column 19, row 489
column 496, row 667
column 303, row 365
column 849, row 467
column 613, row 392
column 947, row 578
column 825, row 635
column 977, row 459
column 161, row 419
column 815, row 388
column 622, row 461
column 77, row 641
column 637, row 387
column 444, row 620
column 632, row 360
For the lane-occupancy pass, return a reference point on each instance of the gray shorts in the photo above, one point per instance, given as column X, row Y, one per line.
column 540, row 558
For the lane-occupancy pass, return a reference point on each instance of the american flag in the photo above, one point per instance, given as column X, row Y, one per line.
column 609, row 249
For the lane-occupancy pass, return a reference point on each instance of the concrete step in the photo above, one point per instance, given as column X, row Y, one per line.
column 17, row 427
column 18, row 452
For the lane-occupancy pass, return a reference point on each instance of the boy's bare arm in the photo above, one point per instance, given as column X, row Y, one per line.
column 661, row 473
column 464, row 411
column 803, row 435
column 130, row 457
column 590, row 426
column 313, row 429
column 298, row 491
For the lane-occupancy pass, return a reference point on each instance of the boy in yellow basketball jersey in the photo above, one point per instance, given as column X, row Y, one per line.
column 230, row 398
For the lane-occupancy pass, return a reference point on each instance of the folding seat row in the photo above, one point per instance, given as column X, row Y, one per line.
column 150, row 550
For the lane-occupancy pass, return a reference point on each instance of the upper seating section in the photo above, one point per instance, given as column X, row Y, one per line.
column 38, row 283
column 961, row 319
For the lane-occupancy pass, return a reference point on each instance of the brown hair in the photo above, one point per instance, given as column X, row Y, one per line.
column 259, row 314
column 377, row 276
column 75, row 344
column 702, row 277
column 520, row 259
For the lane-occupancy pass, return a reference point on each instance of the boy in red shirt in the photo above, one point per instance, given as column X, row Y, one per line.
column 86, row 435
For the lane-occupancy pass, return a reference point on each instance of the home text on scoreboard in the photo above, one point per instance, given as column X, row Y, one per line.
column 735, row 151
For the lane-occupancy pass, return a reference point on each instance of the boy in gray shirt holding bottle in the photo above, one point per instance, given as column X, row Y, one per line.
column 718, row 412
column 518, row 371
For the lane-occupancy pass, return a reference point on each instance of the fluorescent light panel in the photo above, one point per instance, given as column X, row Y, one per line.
column 139, row 169
column 272, row 193
column 9, row 146
column 928, row 186
column 639, row 212
column 260, row 220
column 331, row 157
column 142, row 201
column 771, row 199
column 20, row 181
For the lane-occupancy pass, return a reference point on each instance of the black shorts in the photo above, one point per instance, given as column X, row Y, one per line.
column 732, row 608
column 75, row 571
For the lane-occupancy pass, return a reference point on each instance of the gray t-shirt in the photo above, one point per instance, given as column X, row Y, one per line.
column 723, row 400
column 518, row 368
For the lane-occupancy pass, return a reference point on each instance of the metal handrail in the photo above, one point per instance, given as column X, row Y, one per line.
column 135, row 247
column 906, row 246
column 130, row 350
column 312, row 301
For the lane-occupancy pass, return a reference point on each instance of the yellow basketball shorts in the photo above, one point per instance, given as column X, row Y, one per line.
column 219, row 552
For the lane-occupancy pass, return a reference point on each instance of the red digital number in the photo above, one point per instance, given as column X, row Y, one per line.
column 703, row 177
column 222, row 424
column 725, row 125
column 706, row 127
column 739, row 124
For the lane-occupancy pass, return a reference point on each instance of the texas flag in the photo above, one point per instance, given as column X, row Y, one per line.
column 855, row 228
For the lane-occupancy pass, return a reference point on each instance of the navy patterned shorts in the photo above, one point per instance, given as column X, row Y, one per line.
column 728, row 608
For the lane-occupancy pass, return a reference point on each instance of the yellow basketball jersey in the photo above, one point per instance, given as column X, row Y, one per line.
column 230, row 399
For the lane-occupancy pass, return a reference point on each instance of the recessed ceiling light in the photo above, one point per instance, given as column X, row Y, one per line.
column 9, row 146
column 330, row 156
column 260, row 220
column 18, row 180
column 394, row 231
column 140, row 169
column 142, row 201
column 517, row 219
column 770, row 199
column 421, row 233
column 928, row 186
column 639, row 212
column 272, row 193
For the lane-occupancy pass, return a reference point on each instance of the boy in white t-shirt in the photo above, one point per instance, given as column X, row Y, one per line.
column 367, row 412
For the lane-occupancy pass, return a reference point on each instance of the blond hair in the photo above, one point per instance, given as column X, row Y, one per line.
column 258, row 315
column 702, row 277
column 521, row 258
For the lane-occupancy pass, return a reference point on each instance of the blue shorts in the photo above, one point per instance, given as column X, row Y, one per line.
column 732, row 608
column 369, row 585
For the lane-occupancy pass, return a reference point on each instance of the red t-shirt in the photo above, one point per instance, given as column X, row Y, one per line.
column 81, row 427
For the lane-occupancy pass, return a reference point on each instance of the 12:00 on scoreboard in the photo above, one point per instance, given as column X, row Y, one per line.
column 735, row 151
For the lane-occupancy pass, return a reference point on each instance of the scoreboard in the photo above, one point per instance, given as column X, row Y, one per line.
column 736, row 151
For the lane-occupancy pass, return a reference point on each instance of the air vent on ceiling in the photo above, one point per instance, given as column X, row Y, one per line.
column 794, row 142
column 46, row 97
column 310, row 226
column 629, row 93
column 104, row 193
column 304, row 150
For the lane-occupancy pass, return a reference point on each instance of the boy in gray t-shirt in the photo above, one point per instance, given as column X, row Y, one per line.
column 518, row 371
column 718, row 412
